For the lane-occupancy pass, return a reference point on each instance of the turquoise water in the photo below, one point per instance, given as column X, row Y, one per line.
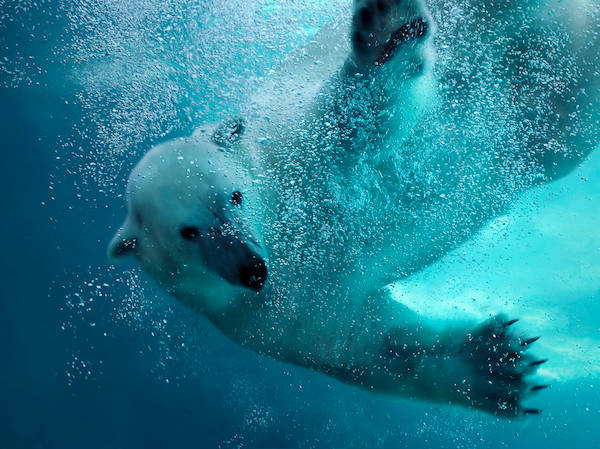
column 97, row 356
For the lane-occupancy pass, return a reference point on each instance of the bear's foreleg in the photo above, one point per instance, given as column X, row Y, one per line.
column 384, row 85
column 385, row 29
column 486, row 368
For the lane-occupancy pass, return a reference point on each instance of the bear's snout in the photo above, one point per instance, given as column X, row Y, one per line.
column 254, row 275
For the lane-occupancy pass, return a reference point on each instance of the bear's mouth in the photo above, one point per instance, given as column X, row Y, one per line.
column 236, row 256
column 254, row 276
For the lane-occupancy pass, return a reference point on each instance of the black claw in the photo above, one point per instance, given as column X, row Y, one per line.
column 529, row 341
column 511, row 322
column 359, row 41
column 366, row 17
column 382, row 6
column 532, row 411
column 538, row 362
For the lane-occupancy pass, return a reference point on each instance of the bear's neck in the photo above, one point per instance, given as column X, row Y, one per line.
column 296, row 328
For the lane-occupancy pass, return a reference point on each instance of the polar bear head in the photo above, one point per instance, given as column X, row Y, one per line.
column 191, row 221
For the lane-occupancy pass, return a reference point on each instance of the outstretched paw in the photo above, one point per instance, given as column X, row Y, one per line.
column 502, row 369
column 380, row 27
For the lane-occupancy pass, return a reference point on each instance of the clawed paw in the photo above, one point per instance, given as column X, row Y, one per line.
column 503, row 369
column 381, row 26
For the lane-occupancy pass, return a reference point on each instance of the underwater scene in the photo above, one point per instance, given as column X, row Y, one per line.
column 300, row 224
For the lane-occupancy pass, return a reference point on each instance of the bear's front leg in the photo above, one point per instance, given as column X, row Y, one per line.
column 486, row 368
column 383, row 29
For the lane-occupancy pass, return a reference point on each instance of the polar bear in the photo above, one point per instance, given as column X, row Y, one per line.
column 285, row 236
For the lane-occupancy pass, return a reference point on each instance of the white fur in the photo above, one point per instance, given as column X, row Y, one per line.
column 360, row 189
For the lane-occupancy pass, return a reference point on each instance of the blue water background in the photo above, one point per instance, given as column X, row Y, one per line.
column 94, row 356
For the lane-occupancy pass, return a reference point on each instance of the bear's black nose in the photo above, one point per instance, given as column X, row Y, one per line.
column 254, row 276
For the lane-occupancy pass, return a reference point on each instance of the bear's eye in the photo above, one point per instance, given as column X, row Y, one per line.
column 189, row 232
column 236, row 198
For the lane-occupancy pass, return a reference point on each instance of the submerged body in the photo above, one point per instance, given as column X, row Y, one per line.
column 286, row 237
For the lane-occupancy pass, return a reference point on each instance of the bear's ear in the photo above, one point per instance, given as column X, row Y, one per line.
column 123, row 244
column 229, row 132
